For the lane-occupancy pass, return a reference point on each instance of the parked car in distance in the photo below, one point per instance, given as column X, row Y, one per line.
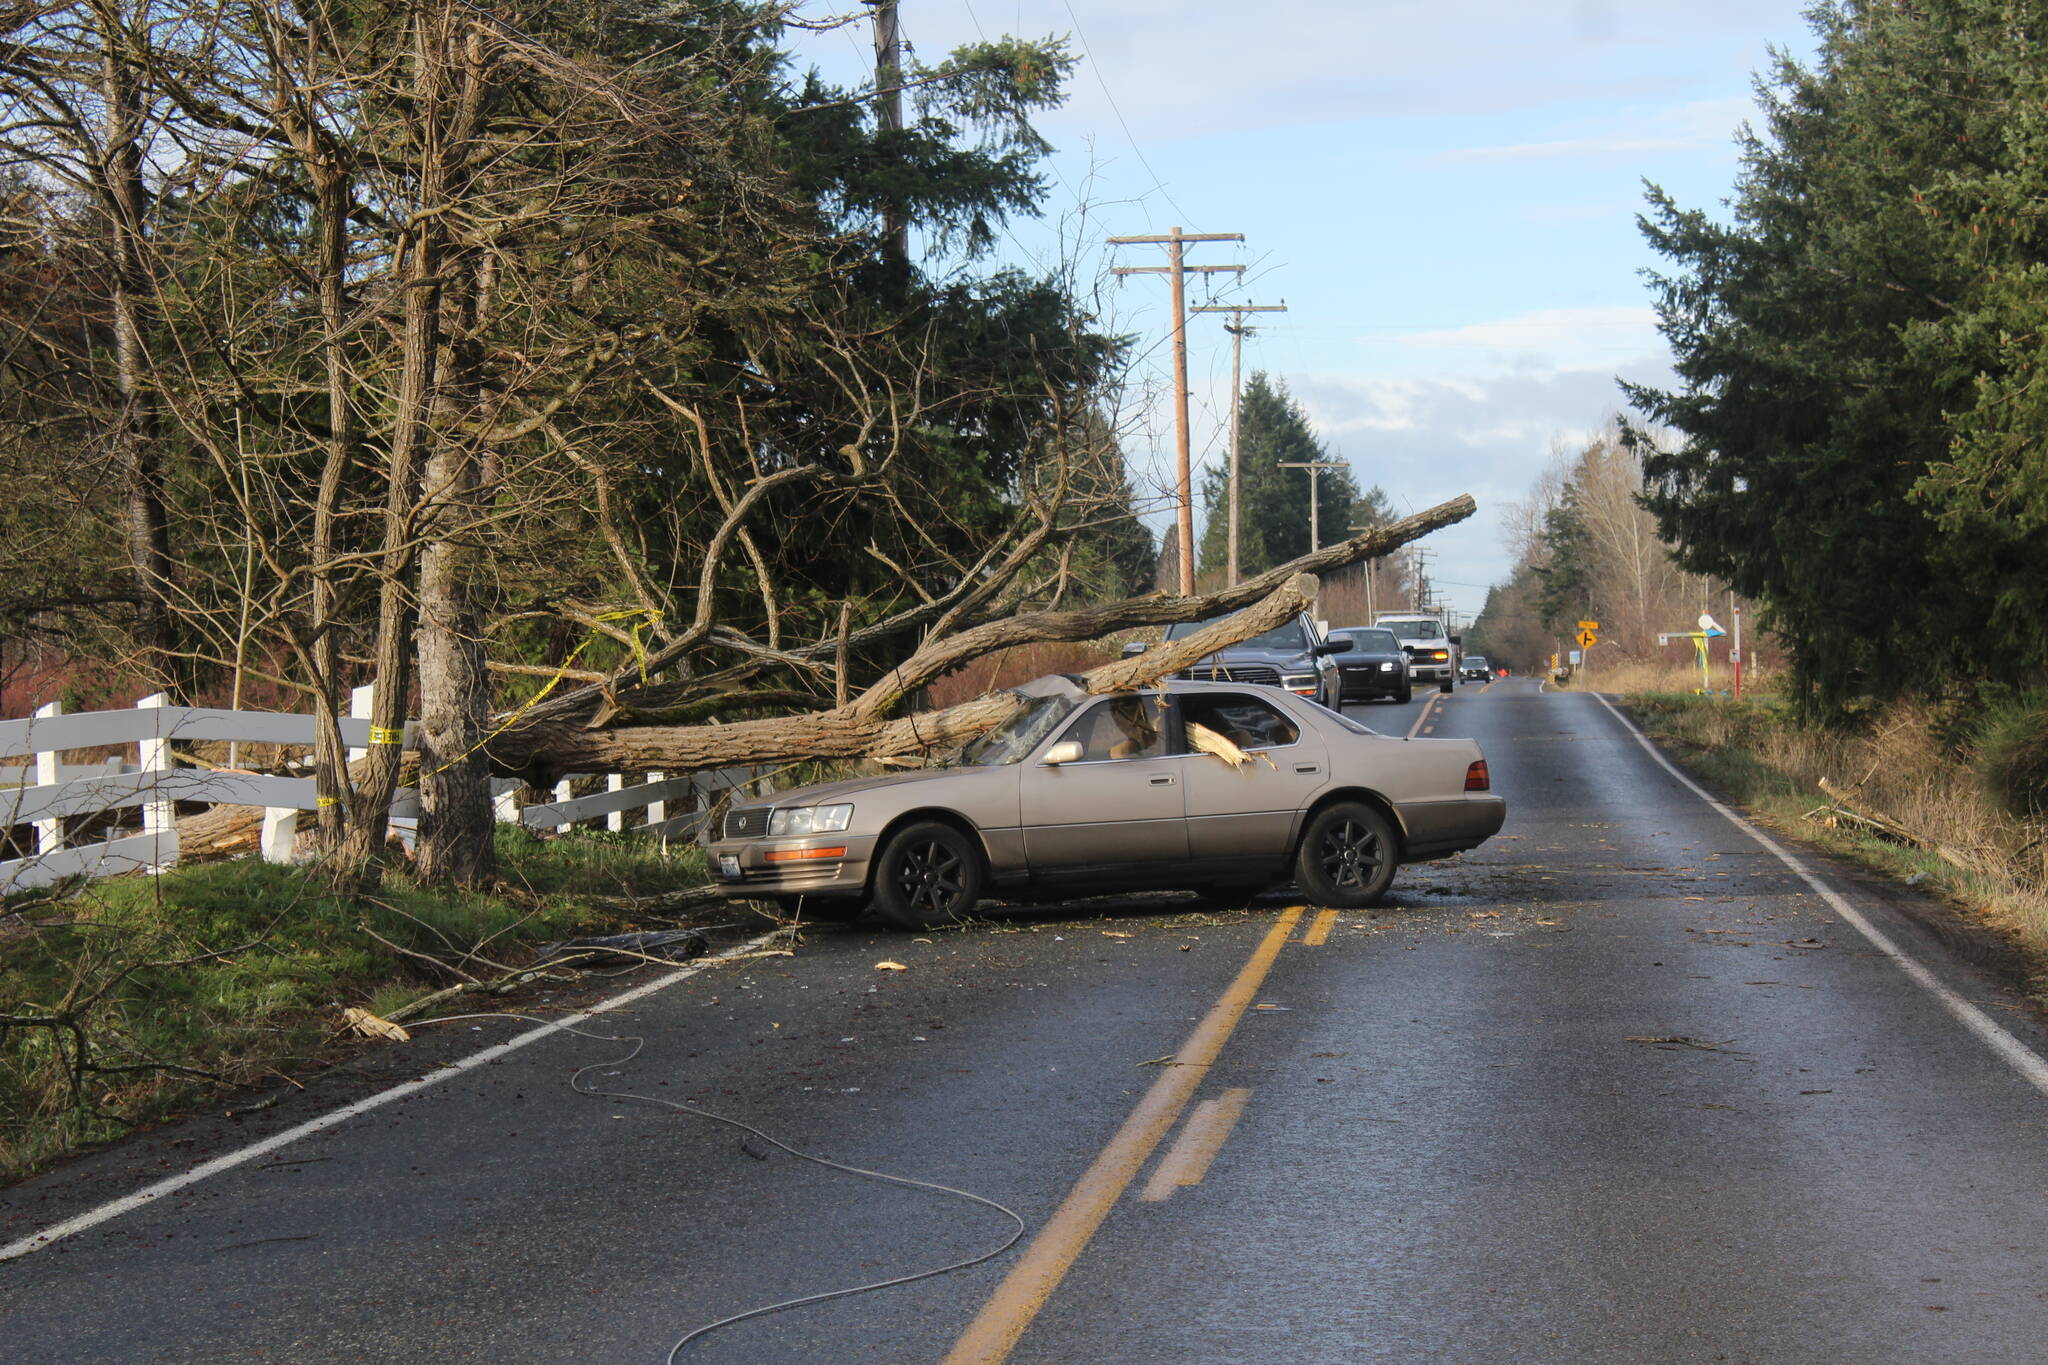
column 1432, row 650
column 1291, row 655
column 1374, row 668
column 1218, row 787
column 1473, row 667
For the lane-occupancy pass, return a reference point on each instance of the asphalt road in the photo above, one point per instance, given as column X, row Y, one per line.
column 1618, row 1086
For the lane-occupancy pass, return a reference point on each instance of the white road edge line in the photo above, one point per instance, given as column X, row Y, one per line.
column 36, row 1241
column 2017, row 1054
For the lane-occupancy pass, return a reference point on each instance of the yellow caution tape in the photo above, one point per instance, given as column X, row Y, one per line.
column 380, row 734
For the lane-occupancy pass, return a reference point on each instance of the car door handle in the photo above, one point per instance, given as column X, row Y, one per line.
column 1308, row 767
column 1161, row 779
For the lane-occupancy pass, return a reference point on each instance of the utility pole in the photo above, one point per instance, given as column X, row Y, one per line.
column 1316, row 470
column 1176, row 270
column 1238, row 332
column 889, row 114
column 1372, row 572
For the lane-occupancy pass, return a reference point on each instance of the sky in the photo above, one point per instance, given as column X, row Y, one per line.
column 1442, row 192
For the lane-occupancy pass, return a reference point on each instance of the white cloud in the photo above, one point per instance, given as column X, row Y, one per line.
column 1630, row 330
column 1426, row 439
column 1176, row 69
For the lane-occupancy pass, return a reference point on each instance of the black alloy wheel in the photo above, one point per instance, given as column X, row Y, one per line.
column 929, row 874
column 1348, row 856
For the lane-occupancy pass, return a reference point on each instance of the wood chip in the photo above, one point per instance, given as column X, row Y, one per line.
column 371, row 1026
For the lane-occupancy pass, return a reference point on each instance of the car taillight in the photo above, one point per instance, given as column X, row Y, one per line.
column 1476, row 778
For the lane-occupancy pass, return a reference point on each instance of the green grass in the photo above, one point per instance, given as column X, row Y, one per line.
column 234, row 974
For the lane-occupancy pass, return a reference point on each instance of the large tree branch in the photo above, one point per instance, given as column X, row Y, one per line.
column 862, row 727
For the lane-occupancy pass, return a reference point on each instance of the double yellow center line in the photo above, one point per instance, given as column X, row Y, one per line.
column 989, row 1339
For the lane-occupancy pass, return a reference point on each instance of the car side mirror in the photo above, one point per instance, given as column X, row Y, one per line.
column 1344, row 646
column 1457, row 639
column 1134, row 647
column 1066, row 751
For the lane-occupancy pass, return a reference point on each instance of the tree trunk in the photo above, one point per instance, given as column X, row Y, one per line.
column 369, row 810
column 456, row 837
column 134, row 440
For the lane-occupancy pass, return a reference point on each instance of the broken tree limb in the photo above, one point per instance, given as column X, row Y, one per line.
column 623, row 701
column 855, row 732
column 861, row 728
column 1899, row 832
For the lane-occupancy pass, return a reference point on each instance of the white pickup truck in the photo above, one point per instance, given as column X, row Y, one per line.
column 1431, row 649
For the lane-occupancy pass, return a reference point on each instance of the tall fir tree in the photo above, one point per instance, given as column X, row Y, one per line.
column 1273, row 503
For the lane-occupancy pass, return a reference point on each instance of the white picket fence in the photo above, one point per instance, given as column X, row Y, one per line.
column 46, row 793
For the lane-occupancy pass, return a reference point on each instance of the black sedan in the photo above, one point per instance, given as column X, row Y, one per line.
column 1374, row 668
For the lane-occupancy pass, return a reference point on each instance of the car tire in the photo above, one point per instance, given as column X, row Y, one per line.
column 1348, row 856
column 1405, row 694
column 929, row 874
column 1445, row 686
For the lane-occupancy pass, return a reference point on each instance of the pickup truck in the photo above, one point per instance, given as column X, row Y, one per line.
column 1291, row 655
column 1432, row 650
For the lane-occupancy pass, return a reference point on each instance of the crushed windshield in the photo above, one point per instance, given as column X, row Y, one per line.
column 1287, row 635
column 1017, row 736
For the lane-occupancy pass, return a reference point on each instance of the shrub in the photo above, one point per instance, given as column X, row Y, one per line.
column 2012, row 755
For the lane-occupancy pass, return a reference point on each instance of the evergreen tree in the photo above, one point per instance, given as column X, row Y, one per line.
column 1273, row 503
column 1858, row 351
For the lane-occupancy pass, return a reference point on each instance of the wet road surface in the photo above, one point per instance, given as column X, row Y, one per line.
column 1617, row 1086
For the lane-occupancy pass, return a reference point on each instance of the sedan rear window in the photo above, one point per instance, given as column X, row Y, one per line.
column 1245, row 721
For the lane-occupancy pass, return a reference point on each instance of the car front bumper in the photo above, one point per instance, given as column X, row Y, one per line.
column 1370, row 682
column 744, row 868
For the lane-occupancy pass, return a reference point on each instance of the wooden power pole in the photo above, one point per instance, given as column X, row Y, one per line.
column 1238, row 332
column 1176, row 271
column 1316, row 469
column 889, row 115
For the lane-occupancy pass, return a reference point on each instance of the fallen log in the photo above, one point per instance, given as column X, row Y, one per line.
column 868, row 725
column 538, row 750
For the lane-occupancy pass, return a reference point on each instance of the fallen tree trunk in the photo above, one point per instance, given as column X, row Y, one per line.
column 850, row 732
column 865, row 727
column 861, row 728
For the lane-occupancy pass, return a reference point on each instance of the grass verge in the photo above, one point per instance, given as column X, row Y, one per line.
column 125, row 1000
column 1894, row 765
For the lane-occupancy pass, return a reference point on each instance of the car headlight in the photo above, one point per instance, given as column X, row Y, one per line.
column 1299, row 682
column 1386, row 666
column 800, row 820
